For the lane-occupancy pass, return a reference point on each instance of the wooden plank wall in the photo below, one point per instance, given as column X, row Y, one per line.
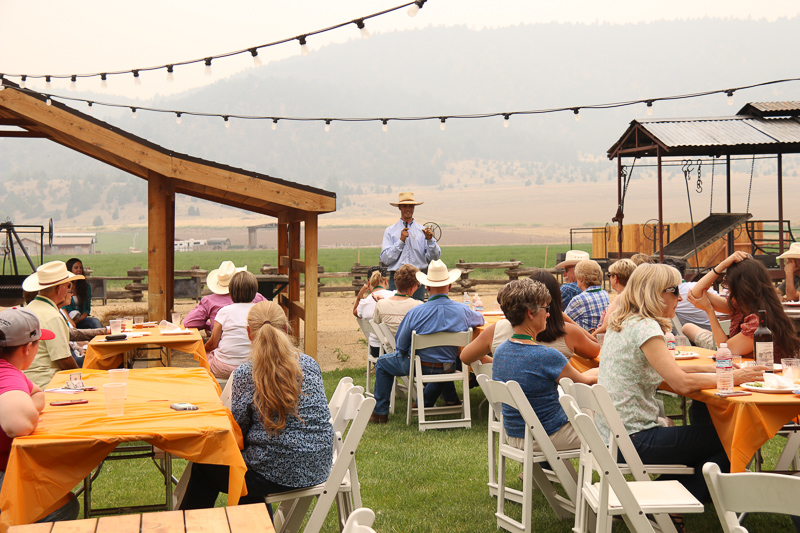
column 634, row 240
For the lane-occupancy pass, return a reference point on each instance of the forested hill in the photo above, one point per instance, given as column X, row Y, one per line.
column 433, row 71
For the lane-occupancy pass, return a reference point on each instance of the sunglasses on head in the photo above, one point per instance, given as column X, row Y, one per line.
column 674, row 290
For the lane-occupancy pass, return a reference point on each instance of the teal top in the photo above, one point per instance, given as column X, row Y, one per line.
column 83, row 307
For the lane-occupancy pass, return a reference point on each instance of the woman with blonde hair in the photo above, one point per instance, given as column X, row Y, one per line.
column 365, row 304
column 278, row 400
column 634, row 361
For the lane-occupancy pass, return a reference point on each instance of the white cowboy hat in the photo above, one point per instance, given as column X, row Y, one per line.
column 406, row 198
column 573, row 258
column 219, row 279
column 438, row 275
column 49, row 275
column 792, row 253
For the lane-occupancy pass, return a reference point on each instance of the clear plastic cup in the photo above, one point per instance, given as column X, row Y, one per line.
column 791, row 369
column 128, row 323
column 737, row 360
column 682, row 341
column 118, row 375
column 600, row 338
column 115, row 398
column 176, row 319
column 116, row 326
column 138, row 320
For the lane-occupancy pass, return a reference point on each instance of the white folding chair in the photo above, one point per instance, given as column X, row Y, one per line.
column 339, row 395
column 596, row 400
column 360, row 521
column 388, row 345
column 366, row 329
column 749, row 492
column 494, row 426
column 613, row 495
column 342, row 484
column 417, row 381
column 562, row 472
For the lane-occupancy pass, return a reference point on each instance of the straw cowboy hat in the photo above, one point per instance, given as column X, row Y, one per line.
column 438, row 275
column 219, row 279
column 573, row 258
column 49, row 275
column 406, row 198
column 792, row 253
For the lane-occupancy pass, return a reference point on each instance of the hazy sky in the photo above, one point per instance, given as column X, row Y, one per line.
column 86, row 36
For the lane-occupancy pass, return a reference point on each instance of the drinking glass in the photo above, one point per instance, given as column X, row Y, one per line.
column 116, row 326
column 138, row 320
column 128, row 322
column 176, row 319
column 600, row 338
column 115, row 398
column 791, row 369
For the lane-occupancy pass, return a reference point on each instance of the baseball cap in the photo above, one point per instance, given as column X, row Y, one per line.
column 19, row 326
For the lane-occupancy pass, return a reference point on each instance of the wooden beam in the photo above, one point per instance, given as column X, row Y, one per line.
column 160, row 249
column 22, row 134
column 296, row 309
column 311, row 279
column 20, row 122
column 294, row 276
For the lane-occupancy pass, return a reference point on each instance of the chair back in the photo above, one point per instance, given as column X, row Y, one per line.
column 338, row 396
column 360, row 521
column 443, row 338
column 482, row 368
column 379, row 332
column 749, row 492
column 366, row 329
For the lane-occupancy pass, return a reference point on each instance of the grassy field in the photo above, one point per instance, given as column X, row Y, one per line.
column 418, row 482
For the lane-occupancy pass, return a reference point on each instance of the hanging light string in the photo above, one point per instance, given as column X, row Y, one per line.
column 384, row 120
column 414, row 6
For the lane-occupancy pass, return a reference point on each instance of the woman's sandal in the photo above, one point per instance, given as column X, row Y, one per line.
column 678, row 522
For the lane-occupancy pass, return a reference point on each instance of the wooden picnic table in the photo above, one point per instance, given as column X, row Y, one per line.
column 239, row 519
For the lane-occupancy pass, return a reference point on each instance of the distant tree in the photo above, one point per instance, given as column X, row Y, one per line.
column 527, row 183
column 98, row 221
column 115, row 214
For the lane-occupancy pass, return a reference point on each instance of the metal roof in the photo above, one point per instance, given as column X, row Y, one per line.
column 741, row 134
column 771, row 109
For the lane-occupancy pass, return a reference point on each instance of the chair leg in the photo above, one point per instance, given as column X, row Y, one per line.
column 492, row 457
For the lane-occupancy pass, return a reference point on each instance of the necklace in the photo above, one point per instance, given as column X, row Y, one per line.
column 403, row 295
column 437, row 296
column 521, row 337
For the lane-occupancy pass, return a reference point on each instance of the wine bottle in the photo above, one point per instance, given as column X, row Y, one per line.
column 764, row 346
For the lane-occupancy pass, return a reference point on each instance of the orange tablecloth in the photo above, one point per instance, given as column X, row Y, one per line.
column 106, row 355
column 72, row 440
column 743, row 423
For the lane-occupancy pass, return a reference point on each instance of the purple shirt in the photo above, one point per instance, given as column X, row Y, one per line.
column 202, row 316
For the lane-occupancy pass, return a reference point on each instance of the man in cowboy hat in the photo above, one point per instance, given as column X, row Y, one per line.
column 438, row 314
column 570, row 289
column 52, row 281
column 202, row 316
column 791, row 268
column 22, row 401
column 408, row 242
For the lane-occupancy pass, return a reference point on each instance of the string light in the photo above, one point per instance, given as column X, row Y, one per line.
column 47, row 85
column 415, row 7
column 577, row 111
column 103, row 82
column 442, row 126
column 303, row 46
column 363, row 28
column 136, row 79
column 327, row 125
column 256, row 59
column 207, row 70
column 48, row 101
column 385, row 126
column 89, row 104
column 227, row 122
column 730, row 96
column 133, row 113
column 177, row 118
column 649, row 107
column 170, row 75
column 22, row 81
column 274, row 124
column 506, row 121
column 72, row 85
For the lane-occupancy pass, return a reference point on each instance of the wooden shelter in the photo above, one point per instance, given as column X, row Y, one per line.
column 758, row 128
column 168, row 173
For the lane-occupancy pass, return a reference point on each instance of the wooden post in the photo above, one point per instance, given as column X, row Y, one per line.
column 294, row 275
column 283, row 252
column 160, row 249
column 660, row 211
column 311, row 281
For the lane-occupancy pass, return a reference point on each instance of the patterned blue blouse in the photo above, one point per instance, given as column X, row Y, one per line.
column 300, row 455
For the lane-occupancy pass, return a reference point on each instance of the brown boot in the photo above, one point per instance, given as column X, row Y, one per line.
column 378, row 419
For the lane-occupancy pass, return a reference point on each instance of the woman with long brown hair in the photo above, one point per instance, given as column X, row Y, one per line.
column 278, row 400
column 750, row 290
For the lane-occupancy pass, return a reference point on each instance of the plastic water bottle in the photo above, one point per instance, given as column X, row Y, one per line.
column 724, row 369
column 465, row 299
column 670, row 338
column 477, row 303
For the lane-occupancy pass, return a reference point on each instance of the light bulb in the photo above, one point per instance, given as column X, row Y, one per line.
column 48, row 101
column 89, row 105
column 177, row 118
column 649, row 107
column 22, row 81
column 363, row 28
column 506, row 120
column 136, row 79
column 170, row 76
column 103, row 82
column 72, row 85
column 274, row 124
column 47, row 85
column 577, row 112
column 730, row 97
column 385, row 126
column 442, row 126
column 207, row 70
column 256, row 59
column 303, row 46
column 327, row 125
column 227, row 122
column 413, row 10
column 133, row 113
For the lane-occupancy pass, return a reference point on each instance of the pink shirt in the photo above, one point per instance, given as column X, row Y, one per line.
column 11, row 378
column 202, row 316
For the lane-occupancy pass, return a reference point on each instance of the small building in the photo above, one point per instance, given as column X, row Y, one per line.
column 189, row 245
column 71, row 243
column 219, row 244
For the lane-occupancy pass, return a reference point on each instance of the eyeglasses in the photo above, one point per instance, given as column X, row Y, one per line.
column 674, row 290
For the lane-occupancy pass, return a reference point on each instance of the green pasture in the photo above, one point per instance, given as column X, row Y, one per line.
column 433, row 481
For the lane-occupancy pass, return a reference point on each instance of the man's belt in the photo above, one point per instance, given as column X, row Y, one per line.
column 432, row 365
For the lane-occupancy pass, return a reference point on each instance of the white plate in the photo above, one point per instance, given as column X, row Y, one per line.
column 766, row 390
column 686, row 355
column 179, row 332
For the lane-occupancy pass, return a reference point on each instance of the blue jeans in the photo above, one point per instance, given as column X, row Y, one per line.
column 396, row 364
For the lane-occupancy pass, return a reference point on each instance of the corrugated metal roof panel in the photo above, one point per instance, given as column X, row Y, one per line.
column 772, row 107
column 707, row 133
column 783, row 130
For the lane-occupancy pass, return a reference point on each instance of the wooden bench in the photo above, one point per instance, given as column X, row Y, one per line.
column 252, row 518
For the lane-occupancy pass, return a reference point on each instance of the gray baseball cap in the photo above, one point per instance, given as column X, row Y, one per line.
column 19, row 326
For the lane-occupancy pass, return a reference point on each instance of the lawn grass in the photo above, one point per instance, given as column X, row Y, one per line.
column 434, row 481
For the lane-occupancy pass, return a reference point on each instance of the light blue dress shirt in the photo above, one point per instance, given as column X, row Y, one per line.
column 415, row 251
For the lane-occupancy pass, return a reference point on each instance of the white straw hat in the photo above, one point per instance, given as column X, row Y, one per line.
column 438, row 275
column 49, row 275
column 219, row 279
column 792, row 253
column 573, row 258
